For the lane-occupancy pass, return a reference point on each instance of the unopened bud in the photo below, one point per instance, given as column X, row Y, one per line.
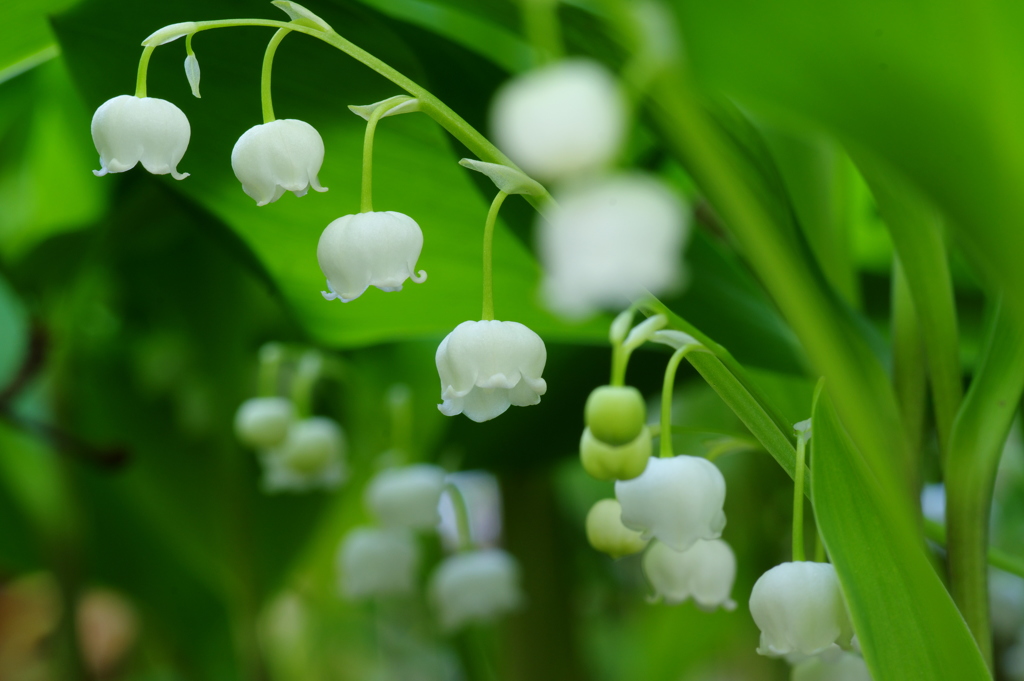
column 606, row 462
column 615, row 414
column 607, row 534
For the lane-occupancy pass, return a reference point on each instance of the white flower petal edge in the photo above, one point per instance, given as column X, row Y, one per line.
column 676, row 501
column 128, row 130
column 272, row 158
column 487, row 366
column 704, row 572
column 839, row 667
column 476, row 586
column 799, row 609
column 560, row 120
column 609, row 241
column 369, row 249
column 377, row 562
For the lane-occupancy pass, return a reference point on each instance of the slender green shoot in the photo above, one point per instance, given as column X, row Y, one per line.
column 268, row 67
column 492, row 216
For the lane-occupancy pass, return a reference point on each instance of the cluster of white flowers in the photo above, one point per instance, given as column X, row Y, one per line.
column 612, row 236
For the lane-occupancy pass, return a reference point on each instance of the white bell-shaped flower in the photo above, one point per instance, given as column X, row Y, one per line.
column 676, row 500
column 607, row 534
column 800, row 610
column 278, row 157
column 369, row 249
column 841, row 666
column 377, row 562
column 560, row 120
column 704, row 572
column 610, row 241
column 407, row 496
column 487, row 366
column 128, row 130
column 263, row 422
column 311, row 457
column 476, row 586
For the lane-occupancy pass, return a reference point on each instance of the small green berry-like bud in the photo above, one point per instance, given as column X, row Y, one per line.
column 605, row 462
column 615, row 413
column 607, row 534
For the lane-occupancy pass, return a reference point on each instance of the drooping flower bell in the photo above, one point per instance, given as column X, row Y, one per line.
column 377, row 562
column 369, row 249
column 272, row 158
column 407, row 496
column 841, row 666
column 799, row 609
column 607, row 534
column 475, row 586
column 609, row 462
column 560, row 120
column 487, row 366
column 676, row 500
column 311, row 457
column 704, row 572
column 263, row 422
column 610, row 241
column 128, row 130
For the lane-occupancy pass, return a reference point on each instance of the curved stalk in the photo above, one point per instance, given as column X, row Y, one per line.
column 140, row 80
column 268, row 66
column 798, row 500
column 366, row 195
column 461, row 516
column 665, row 450
column 492, row 217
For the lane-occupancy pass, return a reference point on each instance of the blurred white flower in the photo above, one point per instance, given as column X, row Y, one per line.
column 127, row 130
column 1006, row 603
column 799, row 609
column 377, row 562
column 609, row 241
column 263, row 422
column 407, row 496
column 933, row 502
column 311, row 457
column 704, row 572
column 607, row 534
column 607, row 462
column 369, row 249
column 475, row 586
column 272, row 158
column 487, row 366
column 675, row 500
column 560, row 120
column 482, row 495
column 840, row 667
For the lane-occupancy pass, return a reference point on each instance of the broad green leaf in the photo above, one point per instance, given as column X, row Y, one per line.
column 25, row 36
column 905, row 620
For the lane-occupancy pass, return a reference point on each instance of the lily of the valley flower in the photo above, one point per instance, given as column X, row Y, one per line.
column 369, row 249
column 841, row 666
column 675, row 500
column 272, row 158
column 799, row 609
column 610, row 241
column 487, row 366
column 407, row 496
column 560, row 120
column 263, row 422
column 704, row 572
column 607, row 534
column 377, row 562
column 608, row 462
column 311, row 457
column 475, row 586
column 128, row 130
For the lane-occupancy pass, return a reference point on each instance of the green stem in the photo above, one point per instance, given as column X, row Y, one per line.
column 909, row 373
column 461, row 516
column 271, row 356
column 366, row 196
column 268, row 67
column 140, row 81
column 492, row 217
column 798, row 500
column 400, row 406
column 620, row 360
column 976, row 443
column 188, row 45
column 666, row 397
column 429, row 104
column 997, row 558
column 305, row 380
column 540, row 21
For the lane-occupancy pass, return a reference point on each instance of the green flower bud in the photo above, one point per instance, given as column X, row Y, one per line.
column 607, row 534
column 605, row 462
column 615, row 414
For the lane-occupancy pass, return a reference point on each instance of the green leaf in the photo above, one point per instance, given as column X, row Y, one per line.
column 25, row 36
column 906, row 622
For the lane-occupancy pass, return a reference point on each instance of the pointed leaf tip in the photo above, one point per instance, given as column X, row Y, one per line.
column 507, row 179
column 301, row 15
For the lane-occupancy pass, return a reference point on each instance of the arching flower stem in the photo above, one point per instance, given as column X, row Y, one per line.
column 140, row 81
column 429, row 104
column 306, row 376
column 492, row 216
column 271, row 356
column 666, row 397
column 268, row 66
column 798, row 498
column 461, row 516
column 366, row 196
